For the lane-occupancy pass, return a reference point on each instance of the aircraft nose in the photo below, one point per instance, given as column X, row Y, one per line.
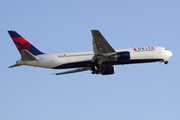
column 169, row 53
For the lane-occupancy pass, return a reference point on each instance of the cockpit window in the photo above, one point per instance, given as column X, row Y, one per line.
column 166, row 49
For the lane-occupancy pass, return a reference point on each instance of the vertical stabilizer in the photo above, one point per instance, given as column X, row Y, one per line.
column 22, row 43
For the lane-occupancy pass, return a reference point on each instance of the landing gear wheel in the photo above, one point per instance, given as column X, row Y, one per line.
column 166, row 62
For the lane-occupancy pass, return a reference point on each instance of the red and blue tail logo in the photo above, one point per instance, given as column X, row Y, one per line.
column 22, row 43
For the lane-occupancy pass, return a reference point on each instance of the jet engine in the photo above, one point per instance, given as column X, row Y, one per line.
column 108, row 70
column 125, row 55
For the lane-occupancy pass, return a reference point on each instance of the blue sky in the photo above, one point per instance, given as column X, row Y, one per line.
column 138, row 92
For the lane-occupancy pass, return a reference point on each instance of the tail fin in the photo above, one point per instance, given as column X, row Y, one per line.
column 22, row 43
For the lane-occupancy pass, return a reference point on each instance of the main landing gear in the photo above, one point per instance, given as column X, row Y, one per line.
column 97, row 69
column 165, row 62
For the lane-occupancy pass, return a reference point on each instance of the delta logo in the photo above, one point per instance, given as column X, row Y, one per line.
column 141, row 49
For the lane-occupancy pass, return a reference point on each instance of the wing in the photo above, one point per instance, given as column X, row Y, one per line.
column 100, row 45
column 102, row 49
column 73, row 71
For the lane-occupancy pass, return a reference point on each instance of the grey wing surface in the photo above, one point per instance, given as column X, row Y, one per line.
column 73, row 71
column 100, row 45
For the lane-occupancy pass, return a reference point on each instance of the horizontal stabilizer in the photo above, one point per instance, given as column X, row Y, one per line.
column 72, row 71
column 27, row 56
column 15, row 65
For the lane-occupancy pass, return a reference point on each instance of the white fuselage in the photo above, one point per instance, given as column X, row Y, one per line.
column 83, row 58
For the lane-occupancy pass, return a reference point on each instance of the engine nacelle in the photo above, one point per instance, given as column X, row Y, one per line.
column 108, row 70
column 124, row 55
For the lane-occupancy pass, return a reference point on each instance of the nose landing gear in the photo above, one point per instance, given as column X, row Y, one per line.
column 166, row 62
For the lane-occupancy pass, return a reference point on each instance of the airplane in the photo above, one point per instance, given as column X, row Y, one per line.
column 100, row 61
